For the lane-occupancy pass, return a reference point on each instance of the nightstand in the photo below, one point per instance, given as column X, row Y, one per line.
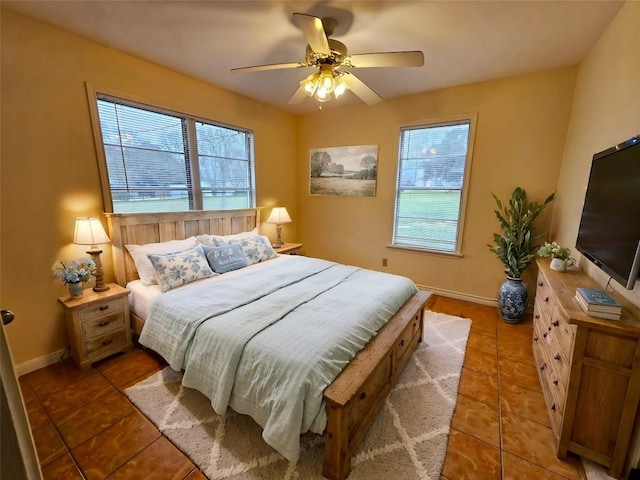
column 97, row 324
column 289, row 249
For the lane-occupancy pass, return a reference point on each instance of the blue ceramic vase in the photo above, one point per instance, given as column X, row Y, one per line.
column 512, row 300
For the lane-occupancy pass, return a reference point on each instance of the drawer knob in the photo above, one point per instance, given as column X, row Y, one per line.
column 553, row 407
column 546, row 299
column 557, row 357
column 107, row 342
column 540, row 284
column 363, row 395
column 549, row 328
column 103, row 324
column 556, row 323
column 535, row 339
column 103, row 308
column 542, row 367
column 545, row 334
column 402, row 343
column 537, row 316
column 555, row 382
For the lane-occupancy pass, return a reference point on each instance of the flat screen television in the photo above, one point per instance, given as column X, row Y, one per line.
column 609, row 233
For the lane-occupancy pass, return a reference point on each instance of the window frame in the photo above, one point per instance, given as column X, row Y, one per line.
column 192, row 170
column 471, row 118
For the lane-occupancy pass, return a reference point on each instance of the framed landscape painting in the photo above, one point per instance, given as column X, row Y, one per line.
column 344, row 171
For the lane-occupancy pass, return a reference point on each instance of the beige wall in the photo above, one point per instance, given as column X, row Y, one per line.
column 49, row 166
column 521, row 127
column 605, row 111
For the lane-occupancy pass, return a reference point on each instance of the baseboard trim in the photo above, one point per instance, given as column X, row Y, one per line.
column 492, row 302
column 38, row 363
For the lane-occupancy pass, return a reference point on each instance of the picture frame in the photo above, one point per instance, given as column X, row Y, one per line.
column 349, row 171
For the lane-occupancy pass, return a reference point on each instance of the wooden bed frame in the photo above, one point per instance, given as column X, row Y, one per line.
column 357, row 394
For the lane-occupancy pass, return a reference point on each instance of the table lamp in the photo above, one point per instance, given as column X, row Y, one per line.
column 89, row 231
column 279, row 215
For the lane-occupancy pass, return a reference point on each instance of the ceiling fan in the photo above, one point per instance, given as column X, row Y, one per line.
column 333, row 63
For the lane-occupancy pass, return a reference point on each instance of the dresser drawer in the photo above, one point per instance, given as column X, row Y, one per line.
column 102, row 325
column 96, row 346
column 563, row 332
column 100, row 309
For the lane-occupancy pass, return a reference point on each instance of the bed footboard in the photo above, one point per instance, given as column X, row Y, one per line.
column 357, row 394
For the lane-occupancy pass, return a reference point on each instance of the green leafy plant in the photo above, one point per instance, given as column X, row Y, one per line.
column 554, row 250
column 513, row 246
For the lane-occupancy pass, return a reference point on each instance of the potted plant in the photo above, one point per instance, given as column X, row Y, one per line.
column 513, row 247
column 74, row 273
column 560, row 256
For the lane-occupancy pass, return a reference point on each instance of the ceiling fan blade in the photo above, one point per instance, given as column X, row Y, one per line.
column 313, row 32
column 298, row 97
column 272, row 66
column 387, row 59
column 359, row 88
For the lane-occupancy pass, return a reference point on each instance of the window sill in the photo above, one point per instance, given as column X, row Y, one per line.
column 404, row 248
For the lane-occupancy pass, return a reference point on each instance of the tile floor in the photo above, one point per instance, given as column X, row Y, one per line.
column 84, row 426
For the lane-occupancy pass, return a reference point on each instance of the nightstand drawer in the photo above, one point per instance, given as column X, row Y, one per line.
column 103, row 325
column 106, row 343
column 100, row 309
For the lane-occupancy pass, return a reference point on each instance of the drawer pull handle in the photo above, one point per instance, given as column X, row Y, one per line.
column 553, row 407
column 103, row 308
column 545, row 334
column 363, row 395
column 535, row 339
column 537, row 317
column 103, row 324
column 549, row 328
column 557, row 357
column 402, row 343
column 542, row 367
column 556, row 323
column 546, row 299
column 555, row 382
column 541, row 284
column 107, row 342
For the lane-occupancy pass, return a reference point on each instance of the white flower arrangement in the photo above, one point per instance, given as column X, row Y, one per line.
column 554, row 250
column 75, row 271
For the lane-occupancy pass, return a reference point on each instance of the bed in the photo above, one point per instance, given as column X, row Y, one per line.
column 352, row 400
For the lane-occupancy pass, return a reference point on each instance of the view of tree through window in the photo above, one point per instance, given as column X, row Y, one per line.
column 153, row 165
column 431, row 173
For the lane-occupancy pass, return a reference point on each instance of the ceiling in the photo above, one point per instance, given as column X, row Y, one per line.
column 462, row 41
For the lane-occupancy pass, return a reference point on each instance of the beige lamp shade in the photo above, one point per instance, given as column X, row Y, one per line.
column 89, row 231
column 279, row 215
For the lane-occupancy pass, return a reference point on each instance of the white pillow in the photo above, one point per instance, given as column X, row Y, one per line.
column 177, row 269
column 256, row 248
column 221, row 240
column 146, row 272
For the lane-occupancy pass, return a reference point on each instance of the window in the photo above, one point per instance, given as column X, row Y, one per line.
column 433, row 166
column 158, row 161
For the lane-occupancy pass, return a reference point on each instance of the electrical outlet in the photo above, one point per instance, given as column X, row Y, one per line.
column 384, row 262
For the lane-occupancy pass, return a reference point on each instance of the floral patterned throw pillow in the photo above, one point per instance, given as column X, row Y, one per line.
column 256, row 248
column 177, row 269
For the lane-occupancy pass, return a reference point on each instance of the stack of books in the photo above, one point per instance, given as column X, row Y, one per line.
column 598, row 303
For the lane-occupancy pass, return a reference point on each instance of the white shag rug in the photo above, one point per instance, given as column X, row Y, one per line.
column 408, row 439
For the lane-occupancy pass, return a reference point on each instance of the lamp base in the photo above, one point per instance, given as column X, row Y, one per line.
column 100, row 285
column 279, row 241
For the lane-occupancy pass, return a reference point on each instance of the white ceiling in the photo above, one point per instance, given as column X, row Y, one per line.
column 463, row 41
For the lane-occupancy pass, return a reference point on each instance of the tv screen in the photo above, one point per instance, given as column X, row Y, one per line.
column 609, row 233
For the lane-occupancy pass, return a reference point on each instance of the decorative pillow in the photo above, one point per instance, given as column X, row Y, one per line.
column 226, row 258
column 177, row 269
column 146, row 272
column 220, row 240
column 256, row 248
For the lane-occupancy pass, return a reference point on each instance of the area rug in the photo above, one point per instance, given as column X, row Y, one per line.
column 408, row 439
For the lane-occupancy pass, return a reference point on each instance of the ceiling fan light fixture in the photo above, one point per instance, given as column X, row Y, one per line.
column 326, row 78
column 310, row 84
column 341, row 87
column 322, row 95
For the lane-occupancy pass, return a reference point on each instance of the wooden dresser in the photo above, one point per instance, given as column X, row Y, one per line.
column 589, row 369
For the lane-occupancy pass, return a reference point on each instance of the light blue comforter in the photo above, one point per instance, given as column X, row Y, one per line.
column 268, row 342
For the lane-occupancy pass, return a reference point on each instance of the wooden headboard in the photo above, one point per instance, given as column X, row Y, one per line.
column 142, row 228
